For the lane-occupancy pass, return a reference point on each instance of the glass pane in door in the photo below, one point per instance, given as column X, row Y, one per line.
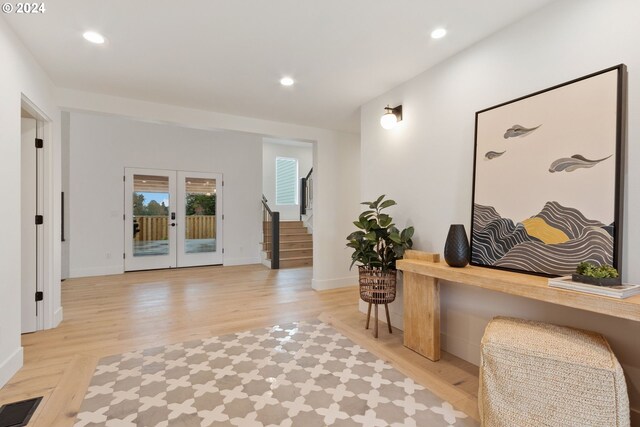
column 150, row 215
column 200, row 215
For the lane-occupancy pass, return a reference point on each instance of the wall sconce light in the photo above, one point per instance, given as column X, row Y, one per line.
column 391, row 117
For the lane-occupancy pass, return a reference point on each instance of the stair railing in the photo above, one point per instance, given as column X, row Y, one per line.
column 271, row 233
column 306, row 193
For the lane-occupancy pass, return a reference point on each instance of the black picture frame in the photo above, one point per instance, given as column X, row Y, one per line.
column 483, row 250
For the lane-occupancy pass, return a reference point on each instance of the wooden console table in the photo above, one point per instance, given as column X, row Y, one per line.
column 421, row 289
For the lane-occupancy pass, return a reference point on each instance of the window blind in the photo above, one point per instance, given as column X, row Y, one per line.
column 286, row 181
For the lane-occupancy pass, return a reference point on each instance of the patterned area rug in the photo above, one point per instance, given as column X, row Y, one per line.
column 298, row 374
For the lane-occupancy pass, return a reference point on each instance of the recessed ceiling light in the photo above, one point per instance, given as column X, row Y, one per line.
column 93, row 37
column 438, row 33
column 286, row 81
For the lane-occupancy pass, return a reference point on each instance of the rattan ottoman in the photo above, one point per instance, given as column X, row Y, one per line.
column 536, row 374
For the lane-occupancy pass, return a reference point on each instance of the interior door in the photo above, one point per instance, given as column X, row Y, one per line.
column 150, row 219
column 200, row 219
column 29, row 229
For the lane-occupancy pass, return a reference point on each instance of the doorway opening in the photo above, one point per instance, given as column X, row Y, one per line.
column 172, row 219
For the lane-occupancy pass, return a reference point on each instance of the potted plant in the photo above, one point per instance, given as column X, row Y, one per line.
column 377, row 245
column 604, row 275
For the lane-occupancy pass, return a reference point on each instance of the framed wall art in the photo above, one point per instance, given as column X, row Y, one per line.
column 548, row 177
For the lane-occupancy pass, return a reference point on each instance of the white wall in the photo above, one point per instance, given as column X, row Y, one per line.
column 429, row 158
column 336, row 169
column 21, row 75
column 270, row 151
column 102, row 146
column 65, row 168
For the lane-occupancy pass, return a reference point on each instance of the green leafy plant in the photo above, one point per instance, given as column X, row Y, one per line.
column 599, row 272
column 378, row 243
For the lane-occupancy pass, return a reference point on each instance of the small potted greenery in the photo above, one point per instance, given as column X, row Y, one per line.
column 377, row 245
column 591, row 274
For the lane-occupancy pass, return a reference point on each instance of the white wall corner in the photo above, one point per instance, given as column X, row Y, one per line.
column 10, row 366
column 342, row 282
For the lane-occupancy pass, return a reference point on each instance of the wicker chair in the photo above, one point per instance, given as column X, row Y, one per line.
column 377, row 287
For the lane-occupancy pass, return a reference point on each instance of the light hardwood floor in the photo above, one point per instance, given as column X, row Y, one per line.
column 115, row 314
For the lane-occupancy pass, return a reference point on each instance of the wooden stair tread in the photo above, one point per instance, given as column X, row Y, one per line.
column 296, row 244
column 286, row 253
column 296, row 258
column 288, row 231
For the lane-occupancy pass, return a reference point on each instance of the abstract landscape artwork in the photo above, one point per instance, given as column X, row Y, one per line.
column 548, row 178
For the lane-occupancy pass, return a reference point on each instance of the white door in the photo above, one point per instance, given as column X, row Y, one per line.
column 150, row 219
column 200, row 219
column 32, row 249
column 172, row 219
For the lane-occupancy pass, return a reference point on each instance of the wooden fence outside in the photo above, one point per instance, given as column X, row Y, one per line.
column 157, row 227
column 201, row 227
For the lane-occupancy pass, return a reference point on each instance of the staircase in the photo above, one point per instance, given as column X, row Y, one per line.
column 296, row 244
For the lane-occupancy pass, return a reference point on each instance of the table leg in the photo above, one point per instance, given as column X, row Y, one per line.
column 422, row 314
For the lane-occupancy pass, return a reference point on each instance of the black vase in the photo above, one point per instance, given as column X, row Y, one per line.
column 456, row 249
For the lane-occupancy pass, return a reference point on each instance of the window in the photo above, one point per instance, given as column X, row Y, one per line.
column 286, row 181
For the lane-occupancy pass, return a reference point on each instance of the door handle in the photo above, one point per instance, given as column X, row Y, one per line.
column 173, row 224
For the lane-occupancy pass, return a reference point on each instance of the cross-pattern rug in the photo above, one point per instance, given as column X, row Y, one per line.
column 298, row 374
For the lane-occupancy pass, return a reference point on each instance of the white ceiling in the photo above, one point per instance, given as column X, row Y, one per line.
column 228, row 56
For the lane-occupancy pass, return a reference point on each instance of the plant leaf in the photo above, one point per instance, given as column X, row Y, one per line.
column 407, row 233
column 384, row 220
column 387, row 203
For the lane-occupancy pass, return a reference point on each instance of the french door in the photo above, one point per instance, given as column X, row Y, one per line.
column 172, row 219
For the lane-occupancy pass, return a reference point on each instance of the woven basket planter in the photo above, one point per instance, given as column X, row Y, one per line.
column 377, row 287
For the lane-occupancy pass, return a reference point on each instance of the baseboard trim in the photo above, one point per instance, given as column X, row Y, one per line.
column 96, row 271
column 241, row 261
column 57, row 317
column 343, row 282
column 10, row 366
column 462, row 348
